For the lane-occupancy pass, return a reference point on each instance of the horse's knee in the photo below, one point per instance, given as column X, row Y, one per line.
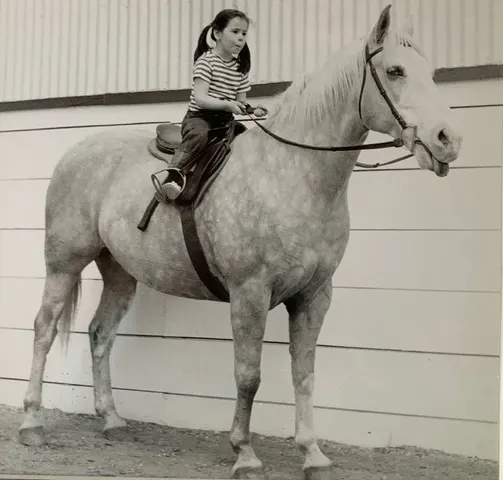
column 248, row 380
column 304, row 383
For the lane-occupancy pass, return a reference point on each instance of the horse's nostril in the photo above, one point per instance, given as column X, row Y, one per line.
column 444, row 137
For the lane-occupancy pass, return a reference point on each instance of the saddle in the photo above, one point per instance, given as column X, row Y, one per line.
column 169, row 137
column 206, row 165
column 200, row 173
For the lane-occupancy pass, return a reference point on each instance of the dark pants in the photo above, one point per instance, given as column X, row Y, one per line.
column 195, row 132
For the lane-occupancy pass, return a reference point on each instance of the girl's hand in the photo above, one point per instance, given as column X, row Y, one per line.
column 236, row 107
column 260, row 111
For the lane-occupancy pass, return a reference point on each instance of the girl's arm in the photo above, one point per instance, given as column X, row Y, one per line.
column 205, row 101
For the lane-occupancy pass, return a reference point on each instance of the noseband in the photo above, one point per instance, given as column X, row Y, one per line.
column 397, row 142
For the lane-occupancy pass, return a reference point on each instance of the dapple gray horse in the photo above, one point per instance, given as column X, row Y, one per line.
column 274, row 225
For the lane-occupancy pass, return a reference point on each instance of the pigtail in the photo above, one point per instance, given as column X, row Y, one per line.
column 202, row 44
column 244, row 59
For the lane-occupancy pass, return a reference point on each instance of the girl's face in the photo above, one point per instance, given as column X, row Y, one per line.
column 233, row 38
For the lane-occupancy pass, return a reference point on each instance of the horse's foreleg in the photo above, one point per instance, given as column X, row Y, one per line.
column 249, row 307
column 118, row 292
column 57, row 291
column 305, row 321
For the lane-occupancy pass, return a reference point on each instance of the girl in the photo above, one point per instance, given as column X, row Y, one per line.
column 219, row 85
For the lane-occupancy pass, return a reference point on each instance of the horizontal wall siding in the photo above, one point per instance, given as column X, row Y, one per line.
column 360, row 428
column 478, row 207
column 380, row 381
column 358, row 318
column 410, row 347
column 58, row 48
column 400, row 261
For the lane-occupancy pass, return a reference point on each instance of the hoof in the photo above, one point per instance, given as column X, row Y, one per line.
column 32, row 437
column 251, row 473
column 119, row 434
column 319, row 473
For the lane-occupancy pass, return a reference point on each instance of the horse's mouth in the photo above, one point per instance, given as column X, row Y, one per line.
column 441, row 169
column 428, row 161
column 424, row 156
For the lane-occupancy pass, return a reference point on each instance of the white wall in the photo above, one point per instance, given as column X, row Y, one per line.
column 410, row 350
column 56, row 48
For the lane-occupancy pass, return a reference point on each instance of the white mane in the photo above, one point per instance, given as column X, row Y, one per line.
column 312, row 97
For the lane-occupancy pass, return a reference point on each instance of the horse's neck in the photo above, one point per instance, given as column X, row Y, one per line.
column 315, row 114
column 328, row 172
column 334, row 169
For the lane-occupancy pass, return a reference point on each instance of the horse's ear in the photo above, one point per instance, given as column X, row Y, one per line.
column 408, row 25
column 381, row 27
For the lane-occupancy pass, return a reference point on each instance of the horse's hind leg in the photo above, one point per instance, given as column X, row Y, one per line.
column 60, row 293
column 305, row 322
column 118, row 291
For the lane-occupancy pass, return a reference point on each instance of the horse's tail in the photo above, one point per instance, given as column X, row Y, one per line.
column 67, row 317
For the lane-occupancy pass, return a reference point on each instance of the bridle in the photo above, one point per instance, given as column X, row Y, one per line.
column 397, row 142
column 384, row 94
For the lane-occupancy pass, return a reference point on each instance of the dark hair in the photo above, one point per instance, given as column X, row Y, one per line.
column 219, row 23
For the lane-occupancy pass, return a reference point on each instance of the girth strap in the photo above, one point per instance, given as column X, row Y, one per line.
column 196, row 254
column 193, row 244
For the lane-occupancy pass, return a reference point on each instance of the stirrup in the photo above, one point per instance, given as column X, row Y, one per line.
column 159, row 186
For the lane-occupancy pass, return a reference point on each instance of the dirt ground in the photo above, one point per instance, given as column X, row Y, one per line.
column 77, row 447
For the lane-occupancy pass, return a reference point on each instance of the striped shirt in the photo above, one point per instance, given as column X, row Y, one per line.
column 223, row 76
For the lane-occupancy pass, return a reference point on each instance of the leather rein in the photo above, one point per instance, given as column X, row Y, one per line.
column 397, row 142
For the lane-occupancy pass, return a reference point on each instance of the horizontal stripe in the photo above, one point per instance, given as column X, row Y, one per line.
column 466, row 200
column 261, row 402
column 401, row 260
column 363, row 428
column 269, row 342
column 403, row 383
column 357, row 318
column 474, row 73
column 40, row 138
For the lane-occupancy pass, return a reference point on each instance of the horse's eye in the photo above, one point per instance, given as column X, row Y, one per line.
column 395, row 72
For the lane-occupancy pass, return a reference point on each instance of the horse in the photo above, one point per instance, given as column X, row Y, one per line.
column 273, row 226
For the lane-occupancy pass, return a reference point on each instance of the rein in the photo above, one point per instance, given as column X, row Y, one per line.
column 397, row 142
column 368, row 146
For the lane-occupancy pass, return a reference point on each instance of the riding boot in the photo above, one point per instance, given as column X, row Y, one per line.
column 176, row 180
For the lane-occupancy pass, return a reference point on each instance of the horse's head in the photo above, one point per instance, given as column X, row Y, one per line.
column 414, row 109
